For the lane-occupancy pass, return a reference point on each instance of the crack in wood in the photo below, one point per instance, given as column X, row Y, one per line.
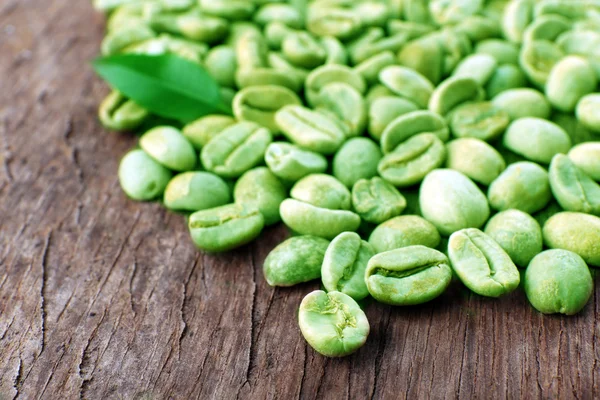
column 43, row 291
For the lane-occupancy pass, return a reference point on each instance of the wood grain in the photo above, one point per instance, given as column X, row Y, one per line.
column 105, row 298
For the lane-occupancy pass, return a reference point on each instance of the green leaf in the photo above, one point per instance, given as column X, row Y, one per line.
column 166, row 85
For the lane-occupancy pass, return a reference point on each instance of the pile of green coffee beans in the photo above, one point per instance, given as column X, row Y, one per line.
column 405, row 143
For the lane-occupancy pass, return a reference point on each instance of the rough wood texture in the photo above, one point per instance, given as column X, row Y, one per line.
column 102, row 297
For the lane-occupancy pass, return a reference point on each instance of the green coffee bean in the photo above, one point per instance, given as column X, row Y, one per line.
column 303, row 50
column 169, row 147
column 522, row 102
column 407, row 84
column 477, row 27
column 225, row 228
column 141, row 177
column 377, row 91
column 408, row 276
column 292, row 163
column 506, row 77
column 576, row 232
column 347, row 104
column 569, row 80
column 412, row 160
column 425, row 56
column 481, row 264
column 376, row 201
column 260, row 188
column 453, row 92
column 332, row 323
column 583, row 42
column 201, row 131
column 479, row 120
column 517, row 233
column 475, row 158
column 308, row 219
column 586, row 157
column 503, row 51
column 310, row 129
column 228, row 9
column 356, row 159
column 326, row 74
column 537, row 58
column 572, row 188
column 370, row 68
column 221, row 64
column 588, row 111
column 251, row 49
column 523, row 186
column 404, row 231
column 411, row 29
column 275, row 32
column 558, row 281
column 456, row 46
column 260, row 104
column 364, row 51
column 411, row 124
column 544, row 139
column 517, row 16
column 372, row 13
column 191, row 24
column 546, row 27
column 236, row 149
column 116, row 41
column 296, row 260
column 577, row 131
column 336, row 22
column 194, row 191
column 322, row 191
column 345, row 263
column 386, row 109
column 247, row 77
column 120, row 114
column 336, row 52
column 285, row 13
column 416, row 11
column 451, row 201
column 445, row 12
column 479, row 67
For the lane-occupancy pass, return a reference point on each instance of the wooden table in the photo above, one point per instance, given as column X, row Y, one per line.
column 105, row 298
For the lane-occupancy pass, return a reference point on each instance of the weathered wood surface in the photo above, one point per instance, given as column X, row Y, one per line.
column 105, row 298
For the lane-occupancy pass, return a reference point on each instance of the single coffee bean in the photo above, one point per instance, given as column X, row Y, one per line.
column 310, row 129
column 404, row 231
column 296, row 260
column 260, row 188
column 412, row 160
column 577, row 232
column 194, row 191
column 168, row 146
column 481, row 264
column 572, row 188
column 408, row 276
column 118, row 113
column 225, row 228
column 586, row 156
column 345, row 263
column 517, row 233
column 475, row 158
column 558, row 281
column 291, row 163
column 410, row 124
column 332, row 323
column 201, row 131
column 141, row 177
column 523, row 186
column 544, row 139
column 451, row 201
column 235, row 150
column 356, row 159
column 376, row 201
column 260, row 104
